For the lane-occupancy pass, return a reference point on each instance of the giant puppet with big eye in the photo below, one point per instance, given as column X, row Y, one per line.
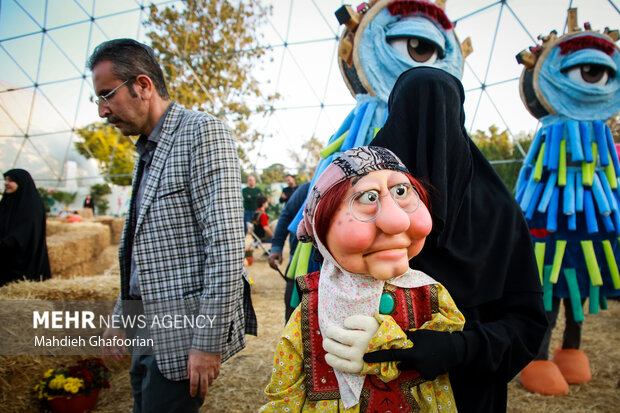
column 568, row 188
column 381, row 40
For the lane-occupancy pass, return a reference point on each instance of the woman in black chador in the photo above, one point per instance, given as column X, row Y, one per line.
column 480, row 247
column 23, row 251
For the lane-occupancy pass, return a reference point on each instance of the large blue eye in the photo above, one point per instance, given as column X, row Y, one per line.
column 590, row 74
column 418, row 49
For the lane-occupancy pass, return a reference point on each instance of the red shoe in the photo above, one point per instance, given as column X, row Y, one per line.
column 573, row 364
column 544, row 377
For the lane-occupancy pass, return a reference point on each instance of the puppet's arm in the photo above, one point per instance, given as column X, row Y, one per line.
column 439, row 336
column 286, row 389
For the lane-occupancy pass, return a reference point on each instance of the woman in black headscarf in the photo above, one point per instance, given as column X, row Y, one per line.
column 480, row 247
column 23, row 250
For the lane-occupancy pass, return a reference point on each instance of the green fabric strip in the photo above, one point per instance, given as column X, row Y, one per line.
column 612, row 264
column 591, row 263
column 304, row 259
column 547, row 288
column 539, row 163
column 610, row 172
column 334, row 146
column 539, row 251
column 291, row 268
column 595, row 295
column 573, row 290
column 562, row 164
column 560, row 246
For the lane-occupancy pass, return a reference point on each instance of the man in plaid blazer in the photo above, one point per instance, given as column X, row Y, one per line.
column 182, row 248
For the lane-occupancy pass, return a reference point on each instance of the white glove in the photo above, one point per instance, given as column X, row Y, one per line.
column 346, row 346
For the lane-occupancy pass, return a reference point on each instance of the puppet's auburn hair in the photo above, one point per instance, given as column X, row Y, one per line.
column 331, row 200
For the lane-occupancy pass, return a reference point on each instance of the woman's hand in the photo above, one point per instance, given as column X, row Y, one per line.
column 346, row 346
column 433, row 353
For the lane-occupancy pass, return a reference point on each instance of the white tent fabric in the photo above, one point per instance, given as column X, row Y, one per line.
column 46, row 91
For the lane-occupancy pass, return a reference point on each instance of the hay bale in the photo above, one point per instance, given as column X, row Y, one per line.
column 75, row 248
column 116, row 227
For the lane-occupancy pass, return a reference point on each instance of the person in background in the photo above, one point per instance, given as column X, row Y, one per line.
column 250, row 193
column 260, row 220
column 23, row 249
column 289, row 190
column 279, row 238
column 182, row 246
column 89, row 202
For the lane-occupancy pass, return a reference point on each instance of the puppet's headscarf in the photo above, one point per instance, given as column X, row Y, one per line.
column 341, row 293
column 23, row 250
column 480, row 244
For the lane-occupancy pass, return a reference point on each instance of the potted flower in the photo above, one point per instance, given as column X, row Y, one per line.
column 73, row 389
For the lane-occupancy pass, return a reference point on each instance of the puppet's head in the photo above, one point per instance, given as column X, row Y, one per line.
column 575, row 75
column 367, row 214
column 384, row 38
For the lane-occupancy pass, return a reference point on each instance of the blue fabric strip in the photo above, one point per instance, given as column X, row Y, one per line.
column 585, row 142
column 532, row 205
column 612, row 150
column 552, row 215
column 532, row 153
column 362, row 133
column 601, row 141
column 548, row 192
column 554, row 146
column 576, row 149
column 599, row 196
column 578, row 192
column 569, row 193
column 590, row 213
column 355, row 126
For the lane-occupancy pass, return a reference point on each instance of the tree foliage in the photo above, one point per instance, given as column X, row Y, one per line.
column 99, row 192
column 208, row 50
column 273, row 174
column 502, row 152
column 114, row 152
column 307, row 160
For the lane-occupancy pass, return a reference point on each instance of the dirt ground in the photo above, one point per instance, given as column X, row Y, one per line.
column 242, row 379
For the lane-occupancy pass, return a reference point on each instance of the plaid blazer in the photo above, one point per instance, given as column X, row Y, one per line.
column 189, row 242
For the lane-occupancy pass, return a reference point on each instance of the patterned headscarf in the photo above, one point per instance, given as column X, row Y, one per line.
column 342, row 293
column 355, row 162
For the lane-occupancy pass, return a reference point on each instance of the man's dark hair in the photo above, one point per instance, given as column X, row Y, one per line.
column 260, row 200
column 129, row 59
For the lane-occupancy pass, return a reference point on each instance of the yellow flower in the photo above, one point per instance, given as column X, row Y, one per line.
column 57, row 382
column 73, row 384
column 48, row 373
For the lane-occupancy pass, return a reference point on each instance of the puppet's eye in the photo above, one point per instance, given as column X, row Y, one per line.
column 401, row 191
column 406, row 197
column 591, row 74
column 419, row 49
column 367, row 197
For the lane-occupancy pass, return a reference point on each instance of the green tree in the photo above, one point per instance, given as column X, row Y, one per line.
column 308, row 159
column 114, row 152
column 99, row 191
column 208, row 50
column 502, row 152
column 64, row 197
column 273, row 174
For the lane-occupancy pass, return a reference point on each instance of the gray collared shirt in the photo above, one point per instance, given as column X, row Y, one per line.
column 145, row 146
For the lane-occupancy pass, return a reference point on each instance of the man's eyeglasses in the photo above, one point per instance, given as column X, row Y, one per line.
column 104, row 100
column 366, row 205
